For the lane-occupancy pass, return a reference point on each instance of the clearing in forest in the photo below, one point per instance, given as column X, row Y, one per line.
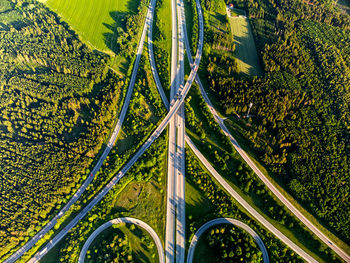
column 246, row 55
column 94, row 21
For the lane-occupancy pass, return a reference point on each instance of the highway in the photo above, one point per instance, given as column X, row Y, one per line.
column 116, row 221
column 170, row 202
column 180, row 151
column 104, row 155
column 174, row 105
column 252, row 165
column 219, row 221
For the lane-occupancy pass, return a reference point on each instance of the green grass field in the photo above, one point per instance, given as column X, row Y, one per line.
column 164, row 24
column 162, row 42
column 93, row 20
column 246, row 55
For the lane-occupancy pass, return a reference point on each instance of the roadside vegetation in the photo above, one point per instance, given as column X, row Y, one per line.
column 122, row 243
column 299, row 119
column 192, row 27
column 227, row 243
column 58, row 104
column 162, row 42
column 143, row 189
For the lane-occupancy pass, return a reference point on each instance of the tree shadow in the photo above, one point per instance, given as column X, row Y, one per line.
column 139, row 256
column 246, row 52
column 111, row 37
column 133, row 5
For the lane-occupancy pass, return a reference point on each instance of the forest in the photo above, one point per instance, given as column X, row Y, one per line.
column 299, row 125
column 231, row 244
column 114, row 247
column 58, row 102
column 121, row 243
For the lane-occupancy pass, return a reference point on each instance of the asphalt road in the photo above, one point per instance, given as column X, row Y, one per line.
column 180, row 151
column 119, row 221
column 170, row 203
column 98, row 165
column 174, row 104
column 219, row 221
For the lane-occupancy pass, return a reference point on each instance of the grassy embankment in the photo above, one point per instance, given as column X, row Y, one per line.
column 162, row 42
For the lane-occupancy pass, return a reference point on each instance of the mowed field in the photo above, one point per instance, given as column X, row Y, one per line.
column 246, row 55
column 93, row 20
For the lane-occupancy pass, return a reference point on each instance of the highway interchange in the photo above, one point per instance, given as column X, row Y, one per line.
column 174, row 106
column 174, row 245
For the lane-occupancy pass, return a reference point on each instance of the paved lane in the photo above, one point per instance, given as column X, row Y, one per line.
column 180, row 151
column 171, row 180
